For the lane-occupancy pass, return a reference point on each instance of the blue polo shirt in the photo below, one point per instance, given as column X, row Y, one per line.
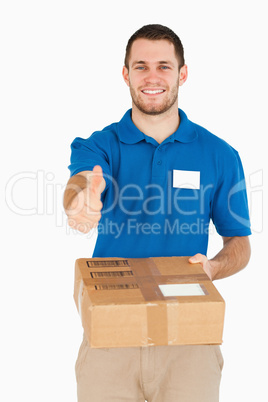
column 160, row 198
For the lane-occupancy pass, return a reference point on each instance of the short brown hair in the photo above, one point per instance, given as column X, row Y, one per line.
column 156, row 32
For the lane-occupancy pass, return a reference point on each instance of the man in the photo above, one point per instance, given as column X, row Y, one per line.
column 151, row 184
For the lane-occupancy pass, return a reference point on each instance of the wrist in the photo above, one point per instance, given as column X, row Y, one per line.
column 75, row 185
column 214, row 268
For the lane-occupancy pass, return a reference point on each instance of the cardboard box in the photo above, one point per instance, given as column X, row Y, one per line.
column 146, row 302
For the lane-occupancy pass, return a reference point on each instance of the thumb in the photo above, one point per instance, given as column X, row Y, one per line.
column 96, row 177
column 198, row 258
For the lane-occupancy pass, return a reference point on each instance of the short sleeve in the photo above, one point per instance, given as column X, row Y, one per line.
column 230, row 213
column 87, row 153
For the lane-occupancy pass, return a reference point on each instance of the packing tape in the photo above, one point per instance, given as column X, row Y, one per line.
column 162, row 323
column 148, row 267
column 157, row 328
column 172, row 322
column 144, row 276
column 162, row 318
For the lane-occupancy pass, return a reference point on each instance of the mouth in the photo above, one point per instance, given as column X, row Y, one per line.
column 153, row 91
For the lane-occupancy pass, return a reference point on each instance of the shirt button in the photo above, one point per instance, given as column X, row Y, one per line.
column 159, row 162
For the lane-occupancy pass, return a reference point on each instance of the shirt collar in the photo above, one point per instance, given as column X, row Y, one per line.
column 130, row 134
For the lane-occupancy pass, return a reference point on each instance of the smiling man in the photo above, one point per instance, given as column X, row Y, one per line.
column 151, row 184
column 154, row 72
column 155, row 78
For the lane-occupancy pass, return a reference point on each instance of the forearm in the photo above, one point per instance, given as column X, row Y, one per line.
column 233, row 257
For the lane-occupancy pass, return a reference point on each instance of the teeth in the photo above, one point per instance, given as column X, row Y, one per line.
column 151, row 92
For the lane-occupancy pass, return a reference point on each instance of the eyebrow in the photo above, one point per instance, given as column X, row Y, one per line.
column 158, row 62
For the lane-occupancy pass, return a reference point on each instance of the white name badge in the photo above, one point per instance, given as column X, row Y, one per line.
column 186, row 179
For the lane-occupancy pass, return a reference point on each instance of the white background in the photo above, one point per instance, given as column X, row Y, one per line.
column 61, row 65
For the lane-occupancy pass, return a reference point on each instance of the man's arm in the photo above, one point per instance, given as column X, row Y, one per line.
column 82, row 199
column 233, row 257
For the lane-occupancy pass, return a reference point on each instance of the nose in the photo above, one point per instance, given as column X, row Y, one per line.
column 152, row 77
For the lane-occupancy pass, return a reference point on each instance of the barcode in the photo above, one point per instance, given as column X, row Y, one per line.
column 111, row 263
column 110, row 274
column 117, row 287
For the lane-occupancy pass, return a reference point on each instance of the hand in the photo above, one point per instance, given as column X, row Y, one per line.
column 84, row 213
column 206, row 264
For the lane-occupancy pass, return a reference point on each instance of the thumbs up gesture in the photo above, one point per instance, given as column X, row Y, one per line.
column 82, row 199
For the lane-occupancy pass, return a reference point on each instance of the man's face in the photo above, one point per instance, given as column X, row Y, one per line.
column 153, row 76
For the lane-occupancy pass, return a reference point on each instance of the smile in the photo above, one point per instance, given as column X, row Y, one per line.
column 153, row 91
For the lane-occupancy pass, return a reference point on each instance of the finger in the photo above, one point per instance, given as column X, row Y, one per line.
column 91, row 218
column 86, row 202
column 71, row 223
column 96, row 178
column 198, row 258
column 82, row 226
column 203, row 260
column 88, row 214
column 93, row 206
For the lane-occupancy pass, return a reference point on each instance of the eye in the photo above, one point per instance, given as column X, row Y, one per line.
column 140, row 68
column 164, row 68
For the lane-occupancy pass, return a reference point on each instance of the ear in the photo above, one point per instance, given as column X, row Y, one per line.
column 125, row 75
column 183, row 75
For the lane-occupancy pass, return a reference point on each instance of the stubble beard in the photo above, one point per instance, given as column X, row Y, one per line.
column 151, row 109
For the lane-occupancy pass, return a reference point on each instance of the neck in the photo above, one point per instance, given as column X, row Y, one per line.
column 159, row 126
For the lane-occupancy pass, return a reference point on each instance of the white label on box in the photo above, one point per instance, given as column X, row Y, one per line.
column 182, row 289
column 186, row 179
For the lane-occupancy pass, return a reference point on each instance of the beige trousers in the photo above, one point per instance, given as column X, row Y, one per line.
column 154, row 373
